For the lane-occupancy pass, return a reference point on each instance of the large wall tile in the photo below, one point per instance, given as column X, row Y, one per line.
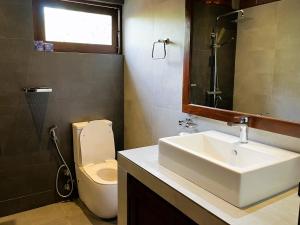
column 267, row 61
column 85, row 87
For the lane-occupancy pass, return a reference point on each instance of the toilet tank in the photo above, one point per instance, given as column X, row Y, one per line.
column 93, row 142
column 77, row 128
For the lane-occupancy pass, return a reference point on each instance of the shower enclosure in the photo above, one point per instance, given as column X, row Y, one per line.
column 217, row 42
column 213, row 43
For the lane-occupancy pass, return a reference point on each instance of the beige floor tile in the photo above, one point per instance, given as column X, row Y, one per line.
column 71, row 208
column 59, row 221
column 16, row 219
column 44, row 214
column 13, row 221
column 79, row 220
column 68, row 213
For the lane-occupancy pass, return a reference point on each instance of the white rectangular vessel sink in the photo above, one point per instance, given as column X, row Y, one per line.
column 241, row 174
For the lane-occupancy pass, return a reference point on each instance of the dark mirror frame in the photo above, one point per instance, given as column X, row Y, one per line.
column 256, row 121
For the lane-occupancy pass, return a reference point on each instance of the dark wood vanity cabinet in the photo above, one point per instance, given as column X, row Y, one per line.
column 250, row 3
column 145, row 207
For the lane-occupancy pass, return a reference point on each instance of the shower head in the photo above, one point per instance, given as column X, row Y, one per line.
column 241, row 19
column 221, row 35
column 241, row 12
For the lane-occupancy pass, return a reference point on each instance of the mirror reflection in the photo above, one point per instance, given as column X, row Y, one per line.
column 247, row 59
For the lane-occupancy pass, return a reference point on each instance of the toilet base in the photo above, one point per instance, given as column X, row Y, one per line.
column 100, row 199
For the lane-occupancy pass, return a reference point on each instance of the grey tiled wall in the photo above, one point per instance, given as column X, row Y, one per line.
column 85, row 87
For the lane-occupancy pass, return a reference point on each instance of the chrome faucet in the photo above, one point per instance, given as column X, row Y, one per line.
column 187, row 123
column 243, row 124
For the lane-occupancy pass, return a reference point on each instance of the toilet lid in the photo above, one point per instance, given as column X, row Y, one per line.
column 97, row 142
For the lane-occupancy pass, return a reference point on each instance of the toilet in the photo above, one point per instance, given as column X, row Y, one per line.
column 96, row 167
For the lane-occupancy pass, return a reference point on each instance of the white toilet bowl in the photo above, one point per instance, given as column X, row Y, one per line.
column 96, row 169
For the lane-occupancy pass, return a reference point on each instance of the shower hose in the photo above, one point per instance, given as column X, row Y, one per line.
column 69, row 186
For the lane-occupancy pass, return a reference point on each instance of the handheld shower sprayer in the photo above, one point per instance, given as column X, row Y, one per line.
column 68, row 186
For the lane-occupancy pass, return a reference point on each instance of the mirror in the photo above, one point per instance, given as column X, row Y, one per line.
column 243, row 61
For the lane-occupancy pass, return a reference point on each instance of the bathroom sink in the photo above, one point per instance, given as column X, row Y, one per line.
column 241, row 174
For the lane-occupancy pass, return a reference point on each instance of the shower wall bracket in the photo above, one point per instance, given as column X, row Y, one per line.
column 37, row 90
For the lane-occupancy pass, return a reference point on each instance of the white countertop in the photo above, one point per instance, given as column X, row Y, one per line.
column 282, row 209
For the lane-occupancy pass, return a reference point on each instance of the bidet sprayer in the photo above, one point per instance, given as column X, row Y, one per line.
column 52, row 132
column 68, row 186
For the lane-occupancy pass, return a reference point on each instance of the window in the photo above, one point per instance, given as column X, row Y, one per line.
column 78, row 26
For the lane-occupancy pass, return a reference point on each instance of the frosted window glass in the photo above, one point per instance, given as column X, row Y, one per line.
column 63, row 25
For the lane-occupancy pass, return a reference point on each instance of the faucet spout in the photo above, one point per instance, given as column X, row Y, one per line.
column 243, row 124
column 244, row 134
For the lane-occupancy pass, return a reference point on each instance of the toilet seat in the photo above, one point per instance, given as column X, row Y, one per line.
column 102, row 173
